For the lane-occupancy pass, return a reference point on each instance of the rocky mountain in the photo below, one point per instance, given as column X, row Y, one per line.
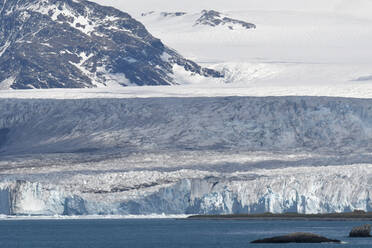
column 165, row 14
column 77, row 43
column 210, row 18
column 214, row 18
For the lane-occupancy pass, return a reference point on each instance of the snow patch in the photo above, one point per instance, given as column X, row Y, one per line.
column 7, row 83
column 83, row 23
column 4, row 48
column 116, row 80
column 81, row 66
column 183, row 77
column 165, row 57
column 355, row 90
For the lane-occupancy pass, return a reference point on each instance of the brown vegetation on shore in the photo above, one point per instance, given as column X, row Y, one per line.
column 337, row 216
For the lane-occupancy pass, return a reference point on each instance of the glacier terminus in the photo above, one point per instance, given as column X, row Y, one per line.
column 185, row 155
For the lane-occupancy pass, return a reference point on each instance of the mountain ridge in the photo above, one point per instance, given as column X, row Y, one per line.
column 209, row 18
column 80, row 44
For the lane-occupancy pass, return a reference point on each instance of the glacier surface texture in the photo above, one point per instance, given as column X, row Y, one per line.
column 185, row 155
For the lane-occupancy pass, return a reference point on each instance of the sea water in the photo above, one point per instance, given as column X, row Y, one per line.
column 166, row 233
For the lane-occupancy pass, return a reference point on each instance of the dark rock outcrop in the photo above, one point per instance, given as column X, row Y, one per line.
column 79, row 44
column 214, row 18
column 172, row 14
column 361, row 231
column 297, row 238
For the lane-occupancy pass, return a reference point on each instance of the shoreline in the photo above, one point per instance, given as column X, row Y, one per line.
column 253, row 217
column 288, row 216
column 91, row 217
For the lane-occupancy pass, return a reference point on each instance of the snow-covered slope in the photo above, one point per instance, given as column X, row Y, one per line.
column 288, row 47
column 356, row 8
column 209, row 18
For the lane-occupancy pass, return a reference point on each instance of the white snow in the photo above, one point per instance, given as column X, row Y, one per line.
column 356, row 8
column 85, row 23
column 353, row 90
column 81, row 66
column 7, row 83
column 288, row 48
column 4, row 48
column 165, row 57
column 113, row 81
column 116, row 80
column 82, row 23
column 183, row 77
column 45, row 8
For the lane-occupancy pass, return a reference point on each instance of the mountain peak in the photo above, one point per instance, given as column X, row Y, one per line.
column 77, row 43
column 211, row 18
column 214, row 18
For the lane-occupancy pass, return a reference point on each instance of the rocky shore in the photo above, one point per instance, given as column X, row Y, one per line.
column 291, row 216
column 297, row 238
column 361, row 231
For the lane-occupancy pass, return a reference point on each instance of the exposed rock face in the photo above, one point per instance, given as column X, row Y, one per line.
column 361, row 231
column 364, row 78
column 214, row 18
column 209, row 18
column 297, row 238
column 77, row 43
column 172, row 14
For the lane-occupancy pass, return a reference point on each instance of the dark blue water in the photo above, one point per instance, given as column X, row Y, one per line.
column 165, row 233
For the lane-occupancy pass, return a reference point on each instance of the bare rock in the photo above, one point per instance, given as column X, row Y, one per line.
column 361, row 231
column 298, row 237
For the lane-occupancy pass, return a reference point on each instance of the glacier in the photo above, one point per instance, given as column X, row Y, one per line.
column 195, row 155
column 304, row 190
column 319, row 124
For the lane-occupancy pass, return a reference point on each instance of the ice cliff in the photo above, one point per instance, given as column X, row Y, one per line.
column 303, row 190
column 185, row 155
